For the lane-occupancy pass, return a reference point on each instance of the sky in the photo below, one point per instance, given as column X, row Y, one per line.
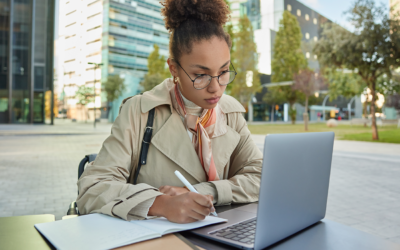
column 333, row 9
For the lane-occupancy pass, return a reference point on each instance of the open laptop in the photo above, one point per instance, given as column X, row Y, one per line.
column 293, row 193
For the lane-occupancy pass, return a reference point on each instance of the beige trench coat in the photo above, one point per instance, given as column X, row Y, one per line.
column 105, row 186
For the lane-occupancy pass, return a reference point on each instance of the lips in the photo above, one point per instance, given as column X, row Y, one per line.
column 213, row 100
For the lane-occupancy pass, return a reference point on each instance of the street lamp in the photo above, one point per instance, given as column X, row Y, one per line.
column 96, row 65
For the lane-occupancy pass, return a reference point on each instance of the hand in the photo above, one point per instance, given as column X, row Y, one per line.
column 184, row 208
column 173, row 191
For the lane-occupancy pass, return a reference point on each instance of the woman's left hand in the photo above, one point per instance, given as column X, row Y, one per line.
column 173, row 191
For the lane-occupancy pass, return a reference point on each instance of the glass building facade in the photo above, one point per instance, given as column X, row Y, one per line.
column 120, row 34
column 133, row 27
column 26, row 61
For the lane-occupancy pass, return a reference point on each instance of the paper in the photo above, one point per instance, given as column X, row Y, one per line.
column 163, row 226
column 99, row 231
column 94, row 231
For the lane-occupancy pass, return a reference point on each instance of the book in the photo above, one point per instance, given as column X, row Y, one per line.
column 99, row 231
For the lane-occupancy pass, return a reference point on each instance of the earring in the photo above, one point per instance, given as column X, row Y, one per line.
column 176, row 79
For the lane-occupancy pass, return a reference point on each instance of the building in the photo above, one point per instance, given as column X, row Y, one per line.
column 26, row 61
column 117, row 33
column 265, row 16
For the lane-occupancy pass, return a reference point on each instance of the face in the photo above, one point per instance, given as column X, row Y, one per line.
column 210, row 57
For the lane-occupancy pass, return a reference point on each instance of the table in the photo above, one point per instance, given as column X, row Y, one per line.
column 18, row 232
column 324, row 235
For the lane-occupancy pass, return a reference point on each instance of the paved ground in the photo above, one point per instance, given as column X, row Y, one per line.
column 38, row 172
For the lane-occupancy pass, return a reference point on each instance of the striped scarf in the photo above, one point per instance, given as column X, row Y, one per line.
column 203, row 129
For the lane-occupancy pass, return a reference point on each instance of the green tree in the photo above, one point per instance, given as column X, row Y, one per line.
column 114, row 86
column 372, row 51
column 157, row 70
column 342, row 82
column 245, row 62
column 287, row 60
column 84, row 95
column 307, row 82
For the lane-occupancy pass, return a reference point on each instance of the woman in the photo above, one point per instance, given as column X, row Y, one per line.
column 197, row 130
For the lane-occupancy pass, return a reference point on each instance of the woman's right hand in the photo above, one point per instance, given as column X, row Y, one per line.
column 184, row 208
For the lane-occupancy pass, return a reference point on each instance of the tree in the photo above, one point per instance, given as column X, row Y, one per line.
column 114, row 86
column 84, row 95
column 229, row 29
column 157, row 70
column 307, row 82
column 247, row 80
column 342, row 83
column 373, row 50
column 288, row 58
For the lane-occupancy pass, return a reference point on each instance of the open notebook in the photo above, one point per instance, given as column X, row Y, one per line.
column 99, row 231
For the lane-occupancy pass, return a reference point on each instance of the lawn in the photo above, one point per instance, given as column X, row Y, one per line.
column 389, row 134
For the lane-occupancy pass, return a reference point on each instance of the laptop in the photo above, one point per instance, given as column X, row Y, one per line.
column 293, row 193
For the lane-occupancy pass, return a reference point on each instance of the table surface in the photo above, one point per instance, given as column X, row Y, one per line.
column 324, row 235
column 19, row 233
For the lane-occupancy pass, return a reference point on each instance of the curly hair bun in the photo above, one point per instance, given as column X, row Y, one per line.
column 176, row 12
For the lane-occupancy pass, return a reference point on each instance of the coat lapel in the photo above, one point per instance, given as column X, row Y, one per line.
column 173, row 141
column 222, row 149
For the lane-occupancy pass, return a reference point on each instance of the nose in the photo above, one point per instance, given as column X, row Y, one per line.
column 214, row 85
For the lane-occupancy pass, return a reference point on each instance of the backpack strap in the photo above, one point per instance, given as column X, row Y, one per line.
column 145, row 143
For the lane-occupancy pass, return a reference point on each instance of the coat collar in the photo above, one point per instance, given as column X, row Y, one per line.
column 159, row 95
column 170, row 140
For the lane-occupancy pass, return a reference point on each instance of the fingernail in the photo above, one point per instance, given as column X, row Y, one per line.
column 213, row 209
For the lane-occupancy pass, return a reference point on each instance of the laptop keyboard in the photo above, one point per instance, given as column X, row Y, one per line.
column 243, row 232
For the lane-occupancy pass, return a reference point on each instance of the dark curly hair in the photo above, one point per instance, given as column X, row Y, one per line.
column 191, row 21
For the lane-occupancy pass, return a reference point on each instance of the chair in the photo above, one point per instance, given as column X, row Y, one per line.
column 73, row 209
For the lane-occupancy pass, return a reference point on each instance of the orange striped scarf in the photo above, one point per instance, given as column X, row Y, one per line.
column 202, row 129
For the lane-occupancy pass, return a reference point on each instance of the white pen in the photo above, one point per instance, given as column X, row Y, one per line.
column 188, row 185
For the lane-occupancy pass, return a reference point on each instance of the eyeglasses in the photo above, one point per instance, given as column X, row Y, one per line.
column 203, row 80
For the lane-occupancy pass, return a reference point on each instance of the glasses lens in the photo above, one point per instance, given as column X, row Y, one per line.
column 202, row 81
column 226, row 78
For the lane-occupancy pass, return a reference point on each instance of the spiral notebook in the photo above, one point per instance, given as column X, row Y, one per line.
column 99, row 231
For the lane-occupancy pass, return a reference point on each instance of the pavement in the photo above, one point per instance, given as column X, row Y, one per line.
column 38, row 174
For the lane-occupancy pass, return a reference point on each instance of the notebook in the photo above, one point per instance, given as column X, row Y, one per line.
column 99, row 231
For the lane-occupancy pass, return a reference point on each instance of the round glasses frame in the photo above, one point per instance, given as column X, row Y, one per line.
column 211, row 77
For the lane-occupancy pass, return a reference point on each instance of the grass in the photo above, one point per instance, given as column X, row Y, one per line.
column 390, row 134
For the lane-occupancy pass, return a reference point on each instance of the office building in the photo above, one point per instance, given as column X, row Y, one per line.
column 120, row 35
column 265, row 16
column 26, row 61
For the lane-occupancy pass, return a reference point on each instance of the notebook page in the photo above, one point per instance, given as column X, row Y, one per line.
column 93, row 231
column 163, row 226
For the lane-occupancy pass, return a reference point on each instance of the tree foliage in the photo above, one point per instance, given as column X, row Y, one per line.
column 342, row 82
column 373, row 50
column 114, row 86
column 157, row 70
column 245, row 60
column 287, row 60
column 307, row 82
column 84, row 95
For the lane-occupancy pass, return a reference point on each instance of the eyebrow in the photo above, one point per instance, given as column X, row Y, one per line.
column 206, row 68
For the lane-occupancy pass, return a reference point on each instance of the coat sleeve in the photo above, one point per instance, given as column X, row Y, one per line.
column 103, row 186
column 243, row 183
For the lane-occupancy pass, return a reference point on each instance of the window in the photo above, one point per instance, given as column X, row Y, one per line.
column 299, row 12
column 315, row 38
column 307, row 17
column 308, row 54
column 315, row 20
column 70, row 24
column 289, row 7
column 307, row 35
